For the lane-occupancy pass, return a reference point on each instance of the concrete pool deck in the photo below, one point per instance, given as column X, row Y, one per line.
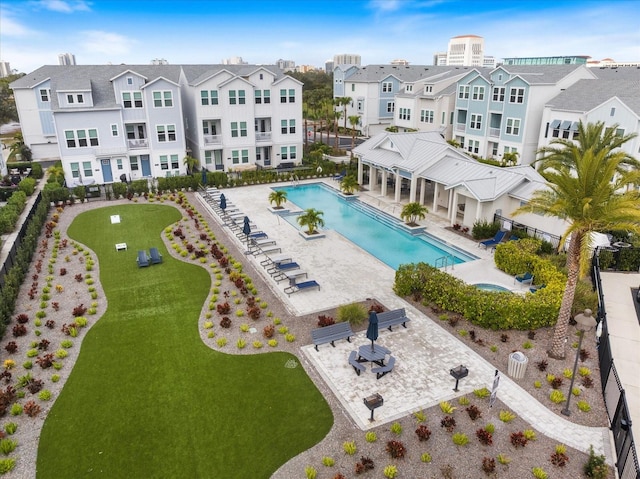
column 424, row 350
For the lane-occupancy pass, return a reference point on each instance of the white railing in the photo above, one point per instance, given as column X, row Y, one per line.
column 212, row 139
column 263, row 136
column 495, row 132
column 460, row 126
column 138, row 143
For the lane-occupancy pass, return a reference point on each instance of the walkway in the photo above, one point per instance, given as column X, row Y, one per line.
column 424, row 350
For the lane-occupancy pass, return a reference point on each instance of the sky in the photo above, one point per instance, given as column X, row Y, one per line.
column 309, row 32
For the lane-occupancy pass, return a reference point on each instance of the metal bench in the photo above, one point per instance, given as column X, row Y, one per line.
column 331, row 333
column 386, row 369
column 392, row 318
column 353, row 361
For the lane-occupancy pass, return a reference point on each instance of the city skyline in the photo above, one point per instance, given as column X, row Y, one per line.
column 33, row 33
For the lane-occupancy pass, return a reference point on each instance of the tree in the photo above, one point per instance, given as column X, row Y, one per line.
column 588, row 184
column 19, row 147
column 278, row 197
column 349, row 184
column 344, row 101
column 354, row 120
column 510, row 158
column 311, row 218
column 8, row 111
column 191, row 163
column 336, row 116
column 412, row 212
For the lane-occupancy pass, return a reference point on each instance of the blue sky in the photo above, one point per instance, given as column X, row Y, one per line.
column 32, row 33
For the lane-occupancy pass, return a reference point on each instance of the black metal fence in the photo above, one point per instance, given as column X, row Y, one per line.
column 13, row 251
column 531, row 231
column 612, row 390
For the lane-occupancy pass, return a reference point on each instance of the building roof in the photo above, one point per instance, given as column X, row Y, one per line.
column 585, row 95
column 405, row 73
column 541, row 74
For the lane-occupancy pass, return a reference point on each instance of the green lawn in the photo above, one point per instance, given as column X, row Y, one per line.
column 147, row 399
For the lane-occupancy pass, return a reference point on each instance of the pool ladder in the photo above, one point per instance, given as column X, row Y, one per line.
column 445, row 261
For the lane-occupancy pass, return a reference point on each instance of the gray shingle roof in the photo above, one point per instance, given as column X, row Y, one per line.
column 541, row 74
column 405, row 73
column 585, row 95
column 198, row 73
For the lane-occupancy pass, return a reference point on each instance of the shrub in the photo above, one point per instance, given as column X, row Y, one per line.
column 328, row 461
column 460, row 439
column 507, row 416
column 502, row 459
column 448, row 423
column 488, row 465
column 241, row 343
column 396, row 428
column 370, row 436
column 446, row 407
column 221, row 342
column 584, row 372
column 268, row 331
column 396, row 449
column 225, row 322
column 583, row 406
column 31, row 409
column 518, row 439
column 490, row 428
column 420, row 416
column 16, row 409
column 557, row 396
column 310, row 472
column 7, row 446
column 596, row 466
column 19, row 330
column 482, row 393
column 349, row 447
column 423, row 433
column 7, row 465
column 354, row 313
column 483, row 229
column 10, row 428
column 530, row 434
column 11, row 347
column 425, row 457
column 390, row 471
column 325, row 321
column 484, row 436
column 474, row 412
column 44, row 395
column 539, row 473
column 559, row 457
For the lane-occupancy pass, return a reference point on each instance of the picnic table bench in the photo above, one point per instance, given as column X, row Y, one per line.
column 358, row 367
column 392, row 318
column 387, row 368
column 331, row 333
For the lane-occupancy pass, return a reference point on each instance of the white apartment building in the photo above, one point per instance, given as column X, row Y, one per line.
column 346, row 59
column 466, row 50
column 5, row 69
column 66, row 59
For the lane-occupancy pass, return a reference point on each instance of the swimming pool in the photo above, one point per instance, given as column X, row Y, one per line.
column 372, row 230
column 492, row 287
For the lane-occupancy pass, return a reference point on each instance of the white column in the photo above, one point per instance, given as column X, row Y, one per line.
column 412, row 188
column 436, row 190
column 359, row 171
column 383, row 189
column 478, row 211
column 398, row 188
column 423, row 186
column 373, row 174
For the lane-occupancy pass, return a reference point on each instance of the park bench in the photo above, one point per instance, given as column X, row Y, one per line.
column 357, row 366
column 392, row 318
column 387, row 368
column 331, row 333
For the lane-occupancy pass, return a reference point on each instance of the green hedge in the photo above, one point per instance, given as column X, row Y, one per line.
column 484, row 308
column 10, row 213
column 28, row 185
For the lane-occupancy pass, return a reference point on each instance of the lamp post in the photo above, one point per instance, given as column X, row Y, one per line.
column 586, row 322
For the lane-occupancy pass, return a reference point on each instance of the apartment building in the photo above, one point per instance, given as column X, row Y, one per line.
column 106, row 121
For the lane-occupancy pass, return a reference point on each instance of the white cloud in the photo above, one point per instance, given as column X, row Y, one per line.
column 384, row 5
column 96, row 41
column 12, row 28
column 64, row 6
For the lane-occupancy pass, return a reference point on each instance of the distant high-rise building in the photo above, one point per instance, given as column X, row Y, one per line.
column 466, row 50
column 328, row 66
column 440, row 58
column 286, row 65
column 234, row 61
column 399, row 61
column 346, row 59
column 5, row 69
column 66, row 59
column 489, row 62
column 159, row 61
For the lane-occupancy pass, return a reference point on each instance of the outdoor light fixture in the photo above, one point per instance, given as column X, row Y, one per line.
column 372, row 402
column 458, row 373
column 585, row 322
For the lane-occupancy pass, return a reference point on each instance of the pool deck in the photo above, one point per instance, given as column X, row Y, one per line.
column 425, row 352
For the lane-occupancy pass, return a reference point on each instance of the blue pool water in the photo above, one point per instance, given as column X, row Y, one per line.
column 374, row 231
column 491, row 287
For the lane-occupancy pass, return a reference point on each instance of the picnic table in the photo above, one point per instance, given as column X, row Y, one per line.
column 376, row 354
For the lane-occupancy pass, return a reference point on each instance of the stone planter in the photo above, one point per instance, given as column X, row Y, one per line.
column 278, row 211
column 414, row 230
column 307, row 237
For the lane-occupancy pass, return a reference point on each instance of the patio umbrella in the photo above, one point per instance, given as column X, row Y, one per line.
column 204, row 177
column 246, row 228
column 372, row 329
column 223, row 202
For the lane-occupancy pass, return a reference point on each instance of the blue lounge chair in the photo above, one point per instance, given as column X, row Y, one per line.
column 494, row 241
column 143, row 259
column 278, row 268
column 525, row 278
column 536, row 288
column 156, row 257
column 295, row 287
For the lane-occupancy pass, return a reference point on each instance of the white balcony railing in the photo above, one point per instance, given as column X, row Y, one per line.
column 494, row 132
column 263, row 136
column 460, row 126
column 138, row 143
column 212, row 139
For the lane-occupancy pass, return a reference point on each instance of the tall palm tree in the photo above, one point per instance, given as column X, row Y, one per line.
column 344, row 101
column 354, row 120
column 311, row 218
column 19, row 147
column 412, row 212
column 278, row 197
column 336, row 116
column 190, row 162
column 588, row 184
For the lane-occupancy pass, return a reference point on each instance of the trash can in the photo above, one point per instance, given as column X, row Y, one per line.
column 517, row 365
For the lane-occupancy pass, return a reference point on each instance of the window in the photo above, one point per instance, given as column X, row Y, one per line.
column 283, row 96
column 391, row 106
column 133, row 163
column 353, row 87
column 232, row 97
column 129, row 81
column 119, row 163
column 387, row 87
column 243, row 128
column 292, row 96
column 287, row 126
column 86, row 168
column 44, row 95
column 75, row 170
column 241, row 97
column 428, row 88
column 498, row 93
column 69, row 99
column 463, row 92
column 360, row 105
column 516, row 95
column 408, row 88
column 283, row 152
column 444, row 118
column 510, row 149
column 620, row 132
column 81, row 138
column 164, row 162
column 132, row 99
column 292, row 152
column 476, row 121
column 235, row 157
column 166, row 132
column 258, row 96
column 80, row 98
column 71, row 139
column 611, row 113
column 404, row 114
column 266, row 96
column 473, row 146
column 244, row 156
column 426, row 116
column 175, row 164
column 288, row 153
column 261, row 76
column 93, row 137
column 478, row 93
column 513, row 126
column 162, row 99
column 114, row 130
column 209, row 97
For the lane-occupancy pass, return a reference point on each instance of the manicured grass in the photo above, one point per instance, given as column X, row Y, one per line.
column 147, row 399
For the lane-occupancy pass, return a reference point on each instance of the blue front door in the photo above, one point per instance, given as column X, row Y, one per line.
column 107, row 175
column 146, row 165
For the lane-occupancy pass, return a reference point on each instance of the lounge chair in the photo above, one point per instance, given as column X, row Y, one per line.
column 156, row 257
column 143, row 259
column 494, row 241
column 536, row 288
column 295, row 287
column 278, row 268
column 525, row 278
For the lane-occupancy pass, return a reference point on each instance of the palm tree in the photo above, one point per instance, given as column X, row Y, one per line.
column 588, row 184
column 19, row 147
column 55, row 174
column 354, row 120
column 344, row 101
column 311, row 218
column 412, row 212
column 510, row 159
column 191, row 163
column 349, row 184
column 336, row 116
column 278, row 197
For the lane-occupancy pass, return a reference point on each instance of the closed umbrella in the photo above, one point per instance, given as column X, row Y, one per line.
column 246, row 228
column 204, row 177
column 223, row 202
column 372, row 329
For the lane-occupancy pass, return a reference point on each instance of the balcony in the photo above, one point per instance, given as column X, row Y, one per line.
column 138, row 143
column 494, row 132
column 212, row 139
column 263, row 136
column 460, row 126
